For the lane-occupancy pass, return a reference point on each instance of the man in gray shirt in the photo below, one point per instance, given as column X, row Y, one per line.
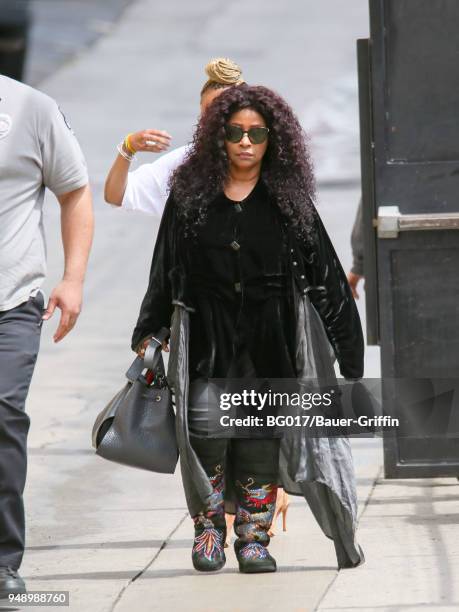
column 37, row 150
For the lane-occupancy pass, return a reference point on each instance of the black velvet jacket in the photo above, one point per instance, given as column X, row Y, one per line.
column 202, row 274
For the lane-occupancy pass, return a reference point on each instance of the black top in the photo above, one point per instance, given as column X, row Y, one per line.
column 241, row 278
column 236, row 266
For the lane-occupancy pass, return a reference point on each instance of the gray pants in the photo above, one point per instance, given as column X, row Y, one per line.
column 20, row 330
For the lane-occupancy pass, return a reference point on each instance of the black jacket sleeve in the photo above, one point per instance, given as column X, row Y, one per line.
column 156, row 309
column 331, row 296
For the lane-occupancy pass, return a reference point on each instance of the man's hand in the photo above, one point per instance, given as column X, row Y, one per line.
column 77, row 223
column 68, row 296
column 353, row 280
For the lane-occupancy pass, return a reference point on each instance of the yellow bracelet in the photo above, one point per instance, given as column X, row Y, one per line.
column 127, row 144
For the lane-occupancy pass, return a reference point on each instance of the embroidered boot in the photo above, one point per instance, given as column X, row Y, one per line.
column 254, row 515
column 208, row 553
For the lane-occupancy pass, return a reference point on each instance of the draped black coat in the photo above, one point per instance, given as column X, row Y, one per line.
column 323, row 324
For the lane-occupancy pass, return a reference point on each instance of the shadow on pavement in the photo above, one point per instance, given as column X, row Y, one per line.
column 157, row 574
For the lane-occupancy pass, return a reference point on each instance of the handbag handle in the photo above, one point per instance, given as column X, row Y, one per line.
column 153, row 350
column 152, row 356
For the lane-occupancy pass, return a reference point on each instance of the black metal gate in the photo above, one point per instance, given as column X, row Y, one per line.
column 409, row 101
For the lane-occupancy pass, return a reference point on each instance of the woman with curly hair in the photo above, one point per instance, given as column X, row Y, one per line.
column 245, row 277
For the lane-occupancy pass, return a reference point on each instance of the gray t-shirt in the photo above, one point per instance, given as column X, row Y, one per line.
column 37, row 149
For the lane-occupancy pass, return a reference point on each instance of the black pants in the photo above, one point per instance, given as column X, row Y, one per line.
column 256, row 459
column 20, row 330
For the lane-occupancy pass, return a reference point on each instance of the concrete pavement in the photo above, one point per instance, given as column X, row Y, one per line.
column 62, row 30
column 410, row 531
column 119, row 539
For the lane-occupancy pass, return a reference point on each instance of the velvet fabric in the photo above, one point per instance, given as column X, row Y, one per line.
column 251, row 245
column 270, row 306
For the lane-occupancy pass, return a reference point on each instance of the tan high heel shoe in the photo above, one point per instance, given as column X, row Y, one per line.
column 229, row 518
column 282, row 504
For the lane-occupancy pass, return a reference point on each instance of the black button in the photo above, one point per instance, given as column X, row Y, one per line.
column 235, row 245
column 237, row 287
column 238, row 208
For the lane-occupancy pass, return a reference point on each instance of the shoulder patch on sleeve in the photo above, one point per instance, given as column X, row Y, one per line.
column 65, row 119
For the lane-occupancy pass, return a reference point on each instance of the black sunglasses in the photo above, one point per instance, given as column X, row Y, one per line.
column 257, row 135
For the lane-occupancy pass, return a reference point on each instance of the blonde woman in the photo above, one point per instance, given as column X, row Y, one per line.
column 146, row 189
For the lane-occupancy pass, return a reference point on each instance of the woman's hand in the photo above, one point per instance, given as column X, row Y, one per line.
column 143, row 346
column 142, row 141
column 116, row 181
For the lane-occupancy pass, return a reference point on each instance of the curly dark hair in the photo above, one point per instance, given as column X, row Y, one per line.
column 286, row 168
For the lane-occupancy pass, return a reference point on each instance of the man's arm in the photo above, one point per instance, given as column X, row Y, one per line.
column 77, row 227
column 356, row 272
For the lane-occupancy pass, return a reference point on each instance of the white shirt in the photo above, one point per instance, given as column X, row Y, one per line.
column 37, row 149
column 147, row 187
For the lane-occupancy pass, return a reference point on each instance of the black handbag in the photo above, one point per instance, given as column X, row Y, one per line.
column 137, row 427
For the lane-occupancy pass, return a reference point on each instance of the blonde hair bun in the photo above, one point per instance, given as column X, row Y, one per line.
column 222, row 72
